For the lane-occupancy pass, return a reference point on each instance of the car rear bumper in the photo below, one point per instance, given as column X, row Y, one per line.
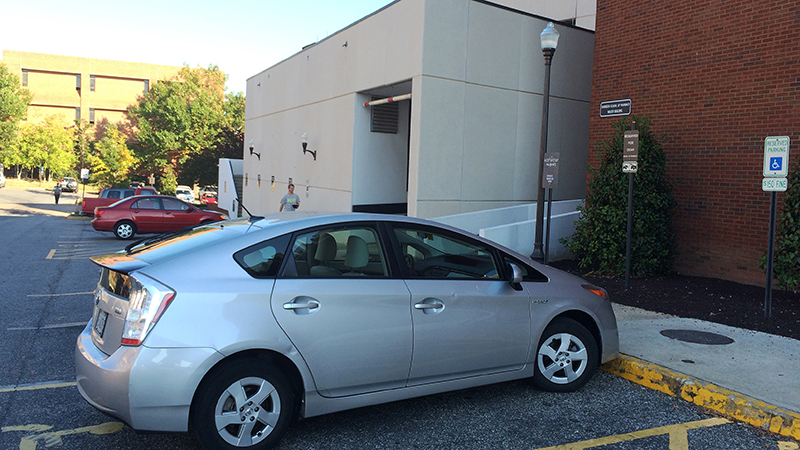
column 131, row 384
column 102, row 225
column 103, row 380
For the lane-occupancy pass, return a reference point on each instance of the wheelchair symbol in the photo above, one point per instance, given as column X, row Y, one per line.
column 775, row 163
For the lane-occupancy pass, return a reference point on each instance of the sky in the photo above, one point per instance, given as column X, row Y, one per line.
column 242, row 37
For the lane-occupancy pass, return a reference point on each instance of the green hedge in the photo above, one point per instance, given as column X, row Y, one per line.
column 600, row 234
column 786, row 269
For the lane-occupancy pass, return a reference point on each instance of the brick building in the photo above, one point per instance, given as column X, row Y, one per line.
column 717, row 78
column 82, row 88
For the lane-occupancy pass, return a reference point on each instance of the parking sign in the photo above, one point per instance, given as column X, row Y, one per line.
column 776, row 156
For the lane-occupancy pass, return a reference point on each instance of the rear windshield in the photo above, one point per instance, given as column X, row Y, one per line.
column 193, row 239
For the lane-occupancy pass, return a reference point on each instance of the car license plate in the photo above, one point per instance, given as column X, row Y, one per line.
column 100, row 322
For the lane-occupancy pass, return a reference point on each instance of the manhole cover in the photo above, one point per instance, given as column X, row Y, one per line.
column 698, row 337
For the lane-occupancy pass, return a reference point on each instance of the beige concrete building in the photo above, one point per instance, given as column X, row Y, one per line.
column 82, row 88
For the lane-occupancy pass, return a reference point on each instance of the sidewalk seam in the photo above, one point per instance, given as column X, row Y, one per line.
column 725, row 402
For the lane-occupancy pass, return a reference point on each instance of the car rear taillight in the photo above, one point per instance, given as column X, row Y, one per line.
column 147, row 302
column 98, row 213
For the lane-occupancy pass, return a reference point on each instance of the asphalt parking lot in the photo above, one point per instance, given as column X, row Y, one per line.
column 45, row 300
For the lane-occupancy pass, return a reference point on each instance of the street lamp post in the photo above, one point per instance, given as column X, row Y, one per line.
column 549, row 41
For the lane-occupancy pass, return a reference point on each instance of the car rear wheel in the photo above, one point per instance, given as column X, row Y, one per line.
column 248, row 404
column 125, row 229
column 566, row 357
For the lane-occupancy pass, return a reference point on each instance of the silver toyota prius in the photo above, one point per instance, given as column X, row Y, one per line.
column 301, row 315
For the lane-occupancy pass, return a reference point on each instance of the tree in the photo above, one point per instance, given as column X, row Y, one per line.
column 202, row 168
column 599, row 241
column 83, row 138
column 47, row 145
column 112, row 161
column 14, row 102
column 179, row 118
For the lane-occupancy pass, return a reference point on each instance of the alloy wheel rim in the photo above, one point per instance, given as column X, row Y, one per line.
column 562, row 358
column 247, row 411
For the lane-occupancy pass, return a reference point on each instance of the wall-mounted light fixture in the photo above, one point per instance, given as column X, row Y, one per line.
column 254, row 153
column 304, row 141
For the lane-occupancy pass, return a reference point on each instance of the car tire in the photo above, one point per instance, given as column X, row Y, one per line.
column 125, row 229
column 566, row 357
column 256, row 419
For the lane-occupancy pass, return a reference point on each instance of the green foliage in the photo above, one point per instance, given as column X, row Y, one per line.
column 111, row 162
column 179, row 118
column 202, row 168
column 600, row 234
column 48, row 144
column 168, row 182
column 786, row 268
column 14, row 101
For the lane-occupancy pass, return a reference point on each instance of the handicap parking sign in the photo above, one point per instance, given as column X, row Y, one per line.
column 776, row 156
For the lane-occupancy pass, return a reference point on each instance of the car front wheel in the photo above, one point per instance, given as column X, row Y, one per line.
column 248, row 404
column 124, row 230
column 566, row 357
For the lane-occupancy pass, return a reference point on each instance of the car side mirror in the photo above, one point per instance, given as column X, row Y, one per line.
column 516, row 276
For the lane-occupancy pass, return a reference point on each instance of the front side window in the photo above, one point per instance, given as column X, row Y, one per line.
column 338, row 252
column 263, row 260
column 432, row 255
column 173, row 205
column 146, row 203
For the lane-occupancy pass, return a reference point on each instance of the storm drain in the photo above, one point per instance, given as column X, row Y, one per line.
column 697, row 337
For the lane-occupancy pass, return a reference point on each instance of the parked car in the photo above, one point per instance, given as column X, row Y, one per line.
column 110, row 196
column 150, row 214
column 185, row 193
column 208, row 190
column 69, row 184
column 209, row 198
column 309, row 315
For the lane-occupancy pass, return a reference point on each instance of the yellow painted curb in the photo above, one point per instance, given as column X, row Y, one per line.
column 728, row 403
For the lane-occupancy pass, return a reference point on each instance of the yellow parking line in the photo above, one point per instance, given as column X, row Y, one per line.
column 34, row 387
column 678, row 436
column 50, row 255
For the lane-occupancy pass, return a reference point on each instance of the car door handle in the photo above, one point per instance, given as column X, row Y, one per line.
column 428, row 305
column 309, row 305
column 301, row 305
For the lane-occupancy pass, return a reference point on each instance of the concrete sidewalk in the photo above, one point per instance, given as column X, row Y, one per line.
column 744, row 375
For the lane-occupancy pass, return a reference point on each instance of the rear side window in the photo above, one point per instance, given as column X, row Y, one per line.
column 113, row 194
column 263, row 260
column 350, row 251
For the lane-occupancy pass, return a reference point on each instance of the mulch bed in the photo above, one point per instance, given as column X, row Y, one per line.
column 709, row 299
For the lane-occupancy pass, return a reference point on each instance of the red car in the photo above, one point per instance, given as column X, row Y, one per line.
column 150, row 214
column 208, row 197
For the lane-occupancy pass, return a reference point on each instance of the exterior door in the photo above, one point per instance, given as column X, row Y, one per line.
column 147, row 214
column 176, row 215
column 467, row 321
column 349, row 321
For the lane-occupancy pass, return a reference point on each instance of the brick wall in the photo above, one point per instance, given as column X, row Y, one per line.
column 717, row 78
